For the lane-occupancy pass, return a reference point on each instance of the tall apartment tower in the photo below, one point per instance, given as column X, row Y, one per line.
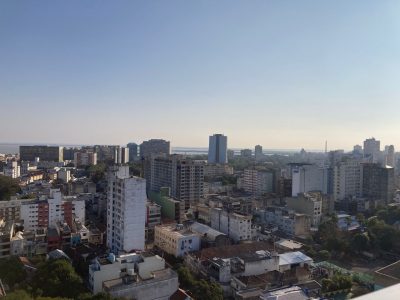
column 307, row 178
column 258, row 152
column 154, row 146
column 133, row 151
column 126, row 211
column 217, row 149
column 372, row 149
column 45, row 153
column 389, row 156
column 378, row 183
column 183, row 176
column 347, row 180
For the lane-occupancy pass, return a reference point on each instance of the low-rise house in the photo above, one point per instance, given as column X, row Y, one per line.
column 288, row 221
column 234, row 225
column 209, row 236
column 176, row 239
column 133, row 276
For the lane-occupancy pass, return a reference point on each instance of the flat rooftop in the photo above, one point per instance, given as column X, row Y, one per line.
column 234, row 250
column 158, row 276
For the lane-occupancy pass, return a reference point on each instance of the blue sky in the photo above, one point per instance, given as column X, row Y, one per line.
column 283, row 74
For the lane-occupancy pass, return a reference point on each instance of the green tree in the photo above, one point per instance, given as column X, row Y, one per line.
column 201, row 289
column 323, row 255
column 18, row 295
column 57, row 278
column 360, row 242
column 8, row 187
column 12, row 271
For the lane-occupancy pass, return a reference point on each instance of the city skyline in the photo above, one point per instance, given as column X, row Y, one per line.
column 285, row 75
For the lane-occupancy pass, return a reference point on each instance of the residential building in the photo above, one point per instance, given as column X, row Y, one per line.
column 6, row 234
column 45, row 153
column 131, row 276
column 106, row 153
column 258, row 152
column 48, row 211
column 64, row 175
column 217, row 170
column 153, row 215
column 234, row 225
column 154, row 147
column 12, row 169
column 209, row 236
column 309, row 204
column 293, row 292
column 69, row 153
column 347, row 179
column 123, row 155
column 378, row 182
column 85, row 158
column 162, row 285
column 390, row 156
column 307, row 177
column 10, row 210
column 171, row 209
column 185, row 177
column 126, row 211
column 372, row 150
column 133, row 151
column 217, row 149
column 231, row 154
column 259, row 181
column 175, row 239
column 288, row 221
column 246, row 153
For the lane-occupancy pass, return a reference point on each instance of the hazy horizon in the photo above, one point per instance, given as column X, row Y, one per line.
column 282, row 74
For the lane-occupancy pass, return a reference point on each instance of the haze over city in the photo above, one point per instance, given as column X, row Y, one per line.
column 284, row 74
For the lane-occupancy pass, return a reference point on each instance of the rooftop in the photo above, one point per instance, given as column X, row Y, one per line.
column 290, row 293
column 290, row 258
column 137, row 280
column 233, row 250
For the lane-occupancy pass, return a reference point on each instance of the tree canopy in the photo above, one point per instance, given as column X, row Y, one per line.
column 57, row 278
column 200, row 289
column 12, row 271
column 8, row 187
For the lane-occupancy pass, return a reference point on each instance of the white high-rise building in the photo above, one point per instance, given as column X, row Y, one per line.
column 308, row 178
column 347, row 180
column 390, row 156
column 258, row 182
column 126, row 211
column 12, row 169
column 372, row 149
column 217, row 149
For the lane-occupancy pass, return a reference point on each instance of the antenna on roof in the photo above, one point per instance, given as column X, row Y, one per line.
column 326, row 147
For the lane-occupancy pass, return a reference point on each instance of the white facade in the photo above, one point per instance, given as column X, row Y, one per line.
column 390, row 156
column 235, row 226
column 309, row 204
column 105, row 269
column 347, row 180
column 176, row 240
column 258, row 182
column 55, row 208
column 64, row 175
column 126, row 211
column 217, row 149
column 12, row 170
column 47, row 212
column 29, row 214
column 84, row 158
column 307, row 178
column 372, row 149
